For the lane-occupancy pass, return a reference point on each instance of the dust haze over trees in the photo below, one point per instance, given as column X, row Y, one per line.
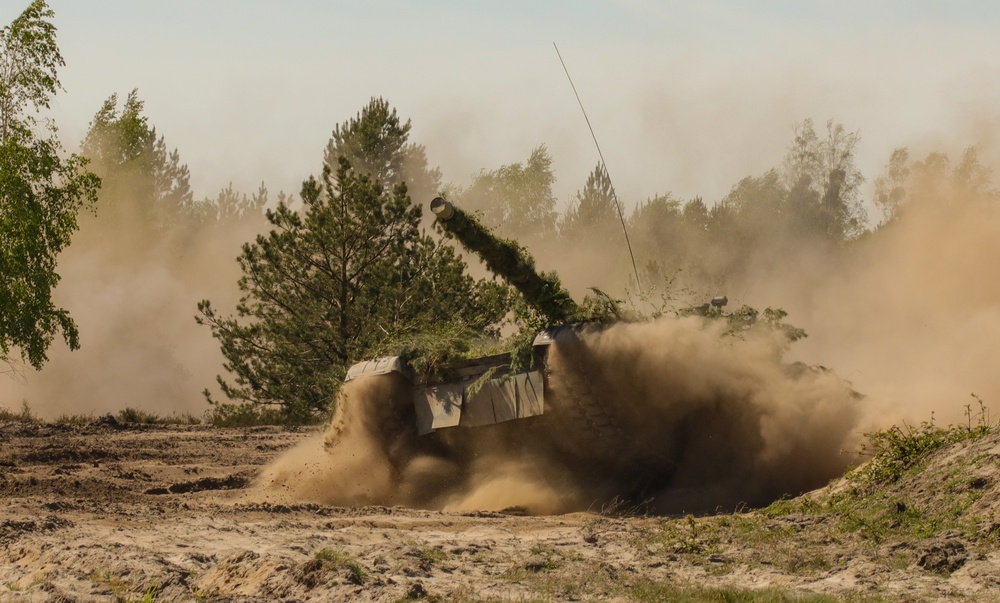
column 350, row 275
column 145, row 250
column 146, row 186
column 516, row 199
column 146, row 198
column 594, row 215
column 143, row 247
column 909, row 183
column 812, row 204
column 151, row 240
column 297, row 308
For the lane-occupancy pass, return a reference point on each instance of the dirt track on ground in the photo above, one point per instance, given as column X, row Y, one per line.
column 161, row 513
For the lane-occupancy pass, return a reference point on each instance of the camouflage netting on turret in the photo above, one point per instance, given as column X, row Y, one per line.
column 508, row 260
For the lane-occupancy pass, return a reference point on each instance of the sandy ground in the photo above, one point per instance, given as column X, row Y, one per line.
column 107, row 512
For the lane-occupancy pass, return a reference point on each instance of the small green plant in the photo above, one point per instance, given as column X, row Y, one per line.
column 35, row 581
column 687, row 536
column 786, row 506
column 543, row 559
column 428, row 556
column 148, row 597
column 340, row 558
column 120, row 587
column 134, row 415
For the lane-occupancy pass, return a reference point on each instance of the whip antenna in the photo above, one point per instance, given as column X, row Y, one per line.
column 604, row 166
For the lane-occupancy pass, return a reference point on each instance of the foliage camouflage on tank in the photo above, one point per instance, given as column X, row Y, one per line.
column 487, row 390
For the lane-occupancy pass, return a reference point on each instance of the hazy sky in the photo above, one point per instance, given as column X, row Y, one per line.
column 685, row 97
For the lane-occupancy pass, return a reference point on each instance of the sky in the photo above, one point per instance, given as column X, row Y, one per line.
column 684, row 97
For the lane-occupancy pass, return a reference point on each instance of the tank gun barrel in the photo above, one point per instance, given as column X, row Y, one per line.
column 508, row 260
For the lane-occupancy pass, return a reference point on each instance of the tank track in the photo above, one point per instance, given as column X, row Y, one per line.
column 587, row 406
column 588, row 409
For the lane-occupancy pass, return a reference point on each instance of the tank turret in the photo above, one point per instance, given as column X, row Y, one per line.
column 509, row 261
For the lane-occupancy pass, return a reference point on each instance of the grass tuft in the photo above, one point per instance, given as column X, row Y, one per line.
column 24, row 416
column 253, row 415
column 340, row 558
column 652, row 592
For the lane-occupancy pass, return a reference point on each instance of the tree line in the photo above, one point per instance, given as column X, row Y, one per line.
column 350, row 268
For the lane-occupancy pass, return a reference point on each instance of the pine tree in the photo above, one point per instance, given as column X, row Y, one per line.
column 348, row 276
column 376, row 143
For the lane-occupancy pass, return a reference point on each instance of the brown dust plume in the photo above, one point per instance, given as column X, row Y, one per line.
column 695, row 421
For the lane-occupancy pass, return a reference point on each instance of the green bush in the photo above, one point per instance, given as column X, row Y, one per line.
column 895, row 450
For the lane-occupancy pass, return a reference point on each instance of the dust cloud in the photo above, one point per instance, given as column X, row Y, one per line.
column 668, row 416
column 911, row 316
column 133, row 293
column 371, row 454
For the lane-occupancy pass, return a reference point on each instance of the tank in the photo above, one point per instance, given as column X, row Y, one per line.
column 600, row 416
column 558, row 408
column 562, row 410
